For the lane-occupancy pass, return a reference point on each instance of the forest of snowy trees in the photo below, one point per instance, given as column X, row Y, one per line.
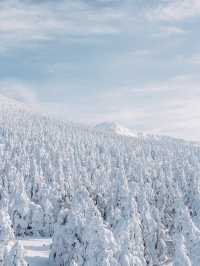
column 106, row 200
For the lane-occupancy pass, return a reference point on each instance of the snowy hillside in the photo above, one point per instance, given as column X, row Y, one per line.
column 104, row 198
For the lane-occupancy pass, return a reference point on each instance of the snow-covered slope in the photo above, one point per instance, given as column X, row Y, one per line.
column 8, row 103
column 106, row 199
column 115, row 128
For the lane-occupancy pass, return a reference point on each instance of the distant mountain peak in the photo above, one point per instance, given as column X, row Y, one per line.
column 116, row 128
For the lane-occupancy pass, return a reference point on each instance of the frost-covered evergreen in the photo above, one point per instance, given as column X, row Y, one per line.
column 6, row 231
column 14, row 256
column 82, row 237
column 11, row 252
column 139, row 200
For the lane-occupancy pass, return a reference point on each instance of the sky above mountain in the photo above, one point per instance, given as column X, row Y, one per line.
column 135, row 62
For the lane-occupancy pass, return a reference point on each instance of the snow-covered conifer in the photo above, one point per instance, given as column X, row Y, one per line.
column 6, row 231
column 81, row 237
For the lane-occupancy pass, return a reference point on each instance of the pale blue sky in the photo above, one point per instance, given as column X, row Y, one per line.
column 135, row 62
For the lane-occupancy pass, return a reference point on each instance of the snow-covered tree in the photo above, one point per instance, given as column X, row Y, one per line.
column 81, row 237
column 6, row 231
column 11, row 252
column 14, row 256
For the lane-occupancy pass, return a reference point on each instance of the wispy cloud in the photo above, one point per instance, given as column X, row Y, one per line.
column 171, row 30
column 22, row 21
column 176, row 10
column 40, row 21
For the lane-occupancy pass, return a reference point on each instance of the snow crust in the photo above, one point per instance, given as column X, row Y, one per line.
column 106, row 199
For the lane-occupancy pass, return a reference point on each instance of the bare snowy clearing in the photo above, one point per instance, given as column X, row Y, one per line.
column 36, row 250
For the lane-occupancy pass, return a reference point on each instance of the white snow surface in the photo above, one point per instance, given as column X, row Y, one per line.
column 116, row 128
column 107, row 200
column 36, row 250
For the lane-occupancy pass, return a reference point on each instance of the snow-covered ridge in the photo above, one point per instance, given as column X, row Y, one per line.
column 105, row 199
column 6, row 102
column 116, row 128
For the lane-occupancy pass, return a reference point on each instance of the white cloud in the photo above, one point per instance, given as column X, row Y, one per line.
column 22, row 21
column 172, row 30
column 193, row 59
column 176, row 10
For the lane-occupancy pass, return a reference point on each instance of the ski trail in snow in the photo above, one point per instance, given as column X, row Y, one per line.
column 37, row 251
